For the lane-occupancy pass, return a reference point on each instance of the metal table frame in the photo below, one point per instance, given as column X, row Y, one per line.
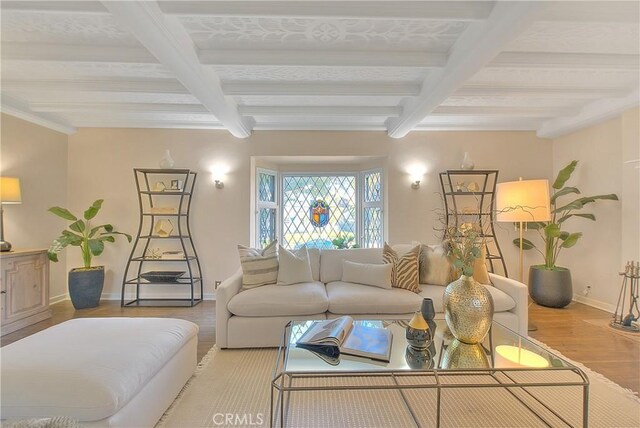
column 283, row 384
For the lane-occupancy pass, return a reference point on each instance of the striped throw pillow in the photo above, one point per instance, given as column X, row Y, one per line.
column 259, row 267
column 405, row 268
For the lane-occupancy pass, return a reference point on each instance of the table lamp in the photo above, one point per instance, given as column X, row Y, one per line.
column 9, row 194
column 521, row 202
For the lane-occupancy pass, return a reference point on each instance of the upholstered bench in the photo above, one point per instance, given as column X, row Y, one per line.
column 120, row 372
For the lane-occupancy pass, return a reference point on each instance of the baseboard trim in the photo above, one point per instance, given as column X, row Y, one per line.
column 607, row 307
column 59, row 298
column 116, row 296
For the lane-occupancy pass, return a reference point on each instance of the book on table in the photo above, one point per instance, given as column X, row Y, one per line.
column 332, row 338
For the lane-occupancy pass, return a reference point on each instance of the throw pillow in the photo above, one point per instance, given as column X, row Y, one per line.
column 480, row 272
column 435, row 266
column 294, row 266
column 405, row 268
column 259, row 267
column 375, row 275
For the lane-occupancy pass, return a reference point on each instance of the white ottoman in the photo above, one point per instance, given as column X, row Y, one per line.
column 120, row 372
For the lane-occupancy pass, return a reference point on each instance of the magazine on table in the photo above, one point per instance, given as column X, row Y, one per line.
column 331, row 338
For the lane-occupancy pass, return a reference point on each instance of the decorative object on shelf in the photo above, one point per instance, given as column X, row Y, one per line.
column 473, row 187
column 159, row 186
column 172, row 255
column 162, row 275
column 467, row 163
column 515, row 357
column 167, row 161
column 319, row 213
column 10, row 193
column 628, row 322
column 460, row 186
column 418, row 333
column 163, row 228
column 549, row 284
column 419, row 358
column 460, row 355
column 153, row 253
column 177, row 185
column 86, row 283
column 163, row 210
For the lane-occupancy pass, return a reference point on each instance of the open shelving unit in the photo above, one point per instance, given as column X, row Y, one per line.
column 190, row 284
column 475, row 206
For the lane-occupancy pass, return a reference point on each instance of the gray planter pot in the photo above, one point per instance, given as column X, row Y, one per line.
column 85, row 287
column 551, row 288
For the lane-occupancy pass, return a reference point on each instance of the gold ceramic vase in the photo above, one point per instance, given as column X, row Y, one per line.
column 468, row 309
column 460, row 355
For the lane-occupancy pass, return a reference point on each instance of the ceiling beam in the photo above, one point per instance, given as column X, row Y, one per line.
column 323, row 126
column 566, row 60
column 431, row 11
column 151, row 86
column 539, row 92
column 321, row 88
column 55, row 6
column 311, row 111
column 323, row 58
column 71, row 107
column 168, row 41
column 75, row 53
column 480, row 43
column 20, row 109
column 590, row 114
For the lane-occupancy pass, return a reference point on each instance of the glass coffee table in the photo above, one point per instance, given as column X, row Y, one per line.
column 517, row 371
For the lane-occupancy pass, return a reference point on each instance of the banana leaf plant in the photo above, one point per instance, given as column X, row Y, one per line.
column 81, row 234
column 553, row 236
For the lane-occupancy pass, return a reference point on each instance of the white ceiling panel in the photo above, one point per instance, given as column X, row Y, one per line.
column 302, row 100
column 20, row 69
column 320, row 74
column 568, row 78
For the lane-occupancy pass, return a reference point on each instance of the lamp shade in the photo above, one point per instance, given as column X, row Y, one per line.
column 10, row 190
column 516, row 357
column 523, row 201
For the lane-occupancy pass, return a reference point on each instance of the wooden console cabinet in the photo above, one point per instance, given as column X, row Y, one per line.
column 24, row 288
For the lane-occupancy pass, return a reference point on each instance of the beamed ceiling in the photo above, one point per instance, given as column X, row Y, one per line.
column 391, row 66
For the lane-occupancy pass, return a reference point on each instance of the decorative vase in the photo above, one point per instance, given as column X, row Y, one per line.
column 167, row 161
column 550, row 288
column 85, row 286
column 467, row 162
column 419, row 358
column 468, row 309
column 459, row 355
column 418, row 334
column 429, row 313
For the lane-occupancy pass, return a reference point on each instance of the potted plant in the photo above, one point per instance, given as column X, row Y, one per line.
column 549, row 284
column 85, row 283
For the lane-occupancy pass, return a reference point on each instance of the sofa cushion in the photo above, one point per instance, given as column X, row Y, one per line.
column 405, row 268
column 502, row 302
column 314, row 261
column 259, row 266
column 294, row 266
column 376, row 275
column 347, row 298
column 331, row 261
column 306, row 298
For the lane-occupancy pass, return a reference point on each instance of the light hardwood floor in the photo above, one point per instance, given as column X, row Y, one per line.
column 565, row 330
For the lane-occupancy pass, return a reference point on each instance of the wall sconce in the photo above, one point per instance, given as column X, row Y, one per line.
column 415, row 184
column 219, row 184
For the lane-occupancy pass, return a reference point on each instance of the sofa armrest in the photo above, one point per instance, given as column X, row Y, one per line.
column 226, row 290
column 520, row 294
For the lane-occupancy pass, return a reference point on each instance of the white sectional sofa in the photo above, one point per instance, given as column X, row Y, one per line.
column 256, row 317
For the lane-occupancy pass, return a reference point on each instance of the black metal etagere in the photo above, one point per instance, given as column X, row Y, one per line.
column 475, row 205
column 179, row 197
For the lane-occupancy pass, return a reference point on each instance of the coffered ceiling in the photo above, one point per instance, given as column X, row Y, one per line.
column 390, row 66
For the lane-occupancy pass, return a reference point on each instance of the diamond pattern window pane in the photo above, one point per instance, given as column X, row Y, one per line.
column 266, row 187
column 372, row 233
column 267, row 221
column 297, row 195
column 373, row 187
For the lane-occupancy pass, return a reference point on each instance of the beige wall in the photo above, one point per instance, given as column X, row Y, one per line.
column 38, row 156
column 614, row 238
column 101, row 163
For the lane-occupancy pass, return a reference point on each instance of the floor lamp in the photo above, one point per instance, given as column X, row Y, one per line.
column 9, row 194
column 522, row 202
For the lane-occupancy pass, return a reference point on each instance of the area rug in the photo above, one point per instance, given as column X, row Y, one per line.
column 604, row 323
column 232, row 388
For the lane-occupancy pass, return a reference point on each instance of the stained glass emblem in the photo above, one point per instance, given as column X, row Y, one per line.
column 319, row 213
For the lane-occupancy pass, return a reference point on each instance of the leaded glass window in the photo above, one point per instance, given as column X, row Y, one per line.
column 266, row 207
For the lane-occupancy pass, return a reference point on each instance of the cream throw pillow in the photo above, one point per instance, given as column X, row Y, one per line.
column 405, row 268
column 480, row 271
column 259, row 267
column 376, row 275
column 435, row 266
column 294, row 266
